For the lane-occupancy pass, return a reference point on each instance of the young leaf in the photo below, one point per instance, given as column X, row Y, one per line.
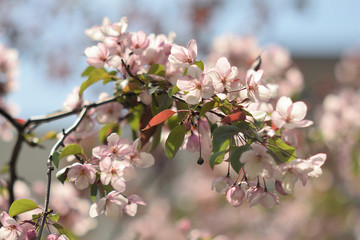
column 61, row 175
column 94, row 76
column 159, row 118
column 157, row 69
column 106, row 130
column 281, row 150
column 174, row 141
column 71, row 149
column 21, row 206
column 235, row 155
column 55, row 217
column 207, row 107
column 64, row 231
column 173, row 90
column 49, row 135
column 200, row 64
column 216, row 158
column 87, row 71
column 56, row 159
column 221, row 134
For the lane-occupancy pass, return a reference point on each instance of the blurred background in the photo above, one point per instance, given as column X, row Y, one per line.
column 323, row 41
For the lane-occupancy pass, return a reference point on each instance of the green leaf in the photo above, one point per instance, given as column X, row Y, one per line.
column 157, row 69
column 235, row 155
column 49, row 135
column 64, row 231
column 61, row 175
column 200, row 64
column 216, row 158
column 87, row 71
column 221, row 134
column 56, row 159
column 207, row 107
column 21, row 206
column 173, row 90
column 281, row 151
column 94, row 189
column 94, row 76
column 174, row 141
column 106, row 130
column 55, row 217
column 71, row 149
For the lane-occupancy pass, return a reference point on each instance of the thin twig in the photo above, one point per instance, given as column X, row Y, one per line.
column 12, row 120
column 58, row 144
column 127, row 68
column 12, row 167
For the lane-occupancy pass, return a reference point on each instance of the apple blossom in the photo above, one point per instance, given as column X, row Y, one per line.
column 184, row 57
column 110, row 112
column 290, row 115
column 10, row 229
column 258, row 162
column 55, row 236
column 112, row 204
column 235, row 195
column 224, row 76
column 196, row 85
column 113, row 172
column 256, row 90
column 117, row 148
column 139, row 42
column 131, row 208
column 82, row 175
column 138, row 158
column 259, row 195
column 97, row 56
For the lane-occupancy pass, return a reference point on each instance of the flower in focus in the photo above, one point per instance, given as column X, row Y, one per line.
column 254, row 88
column 224, row 76
column 117, row 148
column 290, row 115
column 258, row 162
column 97, row 56
column 82, row 175
column 196, row 85
column 259, row 195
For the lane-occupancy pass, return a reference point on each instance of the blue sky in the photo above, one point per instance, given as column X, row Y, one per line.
column 323, row 28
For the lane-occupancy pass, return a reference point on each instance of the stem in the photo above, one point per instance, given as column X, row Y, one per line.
column 51, row 167
column 12, row 166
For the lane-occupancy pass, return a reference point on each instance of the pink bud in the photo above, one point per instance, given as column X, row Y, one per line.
column 235, row 196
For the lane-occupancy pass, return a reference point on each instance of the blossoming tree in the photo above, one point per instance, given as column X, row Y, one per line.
column 167, row 96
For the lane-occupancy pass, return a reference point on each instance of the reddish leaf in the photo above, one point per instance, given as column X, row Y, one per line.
column 234, row 117
column 20, row 121
column 159, row 118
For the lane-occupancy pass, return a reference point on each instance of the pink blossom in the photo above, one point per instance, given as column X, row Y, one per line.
column 131, row 208
column 224, row 76
column 82, row 175
column 117, row 148
column 97, row 56
column 258, row 195
column 297, row 168
column 73, row 100
column 113, row 172
column 110, row 112
column 290, row 115
column 112, row 204
column 258, row 162
column 196, row 85
column 139, row 159
column 235, row 195
column 10, row 229
column 139, row 42
column 184, row 57
column 108, row 29
column 221, row 184
column 55, row 236
column 255, row 90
